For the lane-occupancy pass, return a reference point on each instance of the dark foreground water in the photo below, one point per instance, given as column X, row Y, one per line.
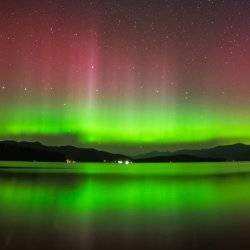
column 140, row 206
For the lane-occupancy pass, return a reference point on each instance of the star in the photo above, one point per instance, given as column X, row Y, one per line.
column 157, row 91
column 187, row 94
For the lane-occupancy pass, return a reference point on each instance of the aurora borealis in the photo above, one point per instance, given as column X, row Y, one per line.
column 125, row 75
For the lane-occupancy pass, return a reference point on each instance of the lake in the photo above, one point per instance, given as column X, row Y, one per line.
column 136, row 206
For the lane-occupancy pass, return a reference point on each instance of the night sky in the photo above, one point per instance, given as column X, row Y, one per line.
column 125, row 76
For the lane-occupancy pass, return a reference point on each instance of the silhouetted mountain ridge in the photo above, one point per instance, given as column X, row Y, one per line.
column 234, row 152
column 35, row 151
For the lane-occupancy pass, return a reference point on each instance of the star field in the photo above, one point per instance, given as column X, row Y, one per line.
column 129, row 75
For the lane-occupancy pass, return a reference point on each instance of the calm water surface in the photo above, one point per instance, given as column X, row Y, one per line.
column 139, row 206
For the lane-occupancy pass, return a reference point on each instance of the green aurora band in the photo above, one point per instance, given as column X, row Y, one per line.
column 112, row 124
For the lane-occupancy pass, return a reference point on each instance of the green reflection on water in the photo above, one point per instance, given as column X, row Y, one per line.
column 90, row 206
column 145, row 189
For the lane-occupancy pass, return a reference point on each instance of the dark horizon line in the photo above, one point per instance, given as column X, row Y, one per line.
column 103, row 150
